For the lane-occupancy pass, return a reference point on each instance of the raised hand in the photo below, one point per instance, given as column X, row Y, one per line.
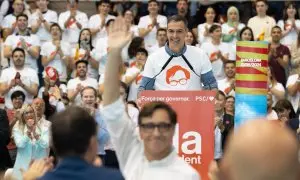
column 119, row 34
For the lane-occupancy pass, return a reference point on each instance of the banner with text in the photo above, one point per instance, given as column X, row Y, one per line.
column 251, row 81
column 194, row 137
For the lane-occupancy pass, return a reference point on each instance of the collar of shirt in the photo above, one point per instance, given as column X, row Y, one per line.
column 163, row 162
column 171, row 53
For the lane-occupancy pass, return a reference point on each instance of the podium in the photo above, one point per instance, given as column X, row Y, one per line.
column 194, row 135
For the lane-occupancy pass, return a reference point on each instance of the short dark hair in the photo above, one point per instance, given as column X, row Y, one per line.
column 81, row 61
column 182, row 0
column 55, row 25
column 178, row 18
column 150, row 108
column 72, row 130
column 229, row 62
column 264, row 1
column 285, row 104
column 276, row 27
column 77, row 1
column 214, row 27
column 161, row 29
column 103, row 2
column 108, row 22
column 151, row 1
column 142, row 50
column 17, row 94
column 17, row 49
column 219, row 92
column 229, row 97
column 89, row 87
column 21, row 15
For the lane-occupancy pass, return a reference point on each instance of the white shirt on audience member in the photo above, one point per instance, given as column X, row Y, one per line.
column 71, row 32
column 145, row 21
column 94, row 23
column 292, row 79
column 130, row 150
column 32, row 40
column 72, row 85
column 28, row 77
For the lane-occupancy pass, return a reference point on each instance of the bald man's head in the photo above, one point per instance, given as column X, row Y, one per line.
column 261, row 150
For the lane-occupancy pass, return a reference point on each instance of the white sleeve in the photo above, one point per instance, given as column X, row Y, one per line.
column 54, row 17
column 200, row 33
column 4, row 77
column 71, row 85
column 91, row 23
column 44, row 50
column 67, row 49
column 205, row 64
column 149, row 67
column 292, row 80
column 4, row 8
column 121, row 130
column 34, row 77
column 164, row 22
column 35, row 40
column 142, row 23
column 9, row 41
column 281, row 24
column 61, row 21
column 84, row 21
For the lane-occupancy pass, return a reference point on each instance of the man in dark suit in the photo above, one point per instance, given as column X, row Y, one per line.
column 5, row 161
column 74, row 136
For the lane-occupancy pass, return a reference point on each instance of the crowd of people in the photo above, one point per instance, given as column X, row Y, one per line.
column 70, row 87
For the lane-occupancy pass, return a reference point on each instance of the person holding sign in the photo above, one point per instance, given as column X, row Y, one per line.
column 151, row 153
column 177, row 66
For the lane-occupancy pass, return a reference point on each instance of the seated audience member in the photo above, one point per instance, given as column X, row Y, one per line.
column 31, row 139
column 229, row 105
column 136, row 69
column 41, row 20
column 148, row 25
column 203, row 29
column 56, row 53
column 135, row 153
column 17, row 99
column 71, row 22
column 52, row 91
column 9, row 22
column 275, row 88
column 217, row 51
column 227, row 85
column 279, row 56
column 18, row 78
column 246, row 34
column 261, row 24
column 293, row 90
column 5, row 161
column 88, row 98
column 287, row 115
column 271, row 113
column 190, row 39
column 75, row 85
column 76, row 151
column 224, row 123
column 260, row 150
column 290, row 24
column 97, row 22
column 161, row 37
column 232, row 27
column 30, row 43
column 85, row 51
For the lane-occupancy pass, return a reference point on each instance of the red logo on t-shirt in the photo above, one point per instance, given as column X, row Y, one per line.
column 177, row 75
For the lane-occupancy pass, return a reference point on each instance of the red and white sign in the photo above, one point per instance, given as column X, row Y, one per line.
column 194, row 139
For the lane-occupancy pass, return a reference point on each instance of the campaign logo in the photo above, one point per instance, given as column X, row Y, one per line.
column 177, row 76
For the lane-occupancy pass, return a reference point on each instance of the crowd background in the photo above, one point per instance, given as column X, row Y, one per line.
column 53, row 54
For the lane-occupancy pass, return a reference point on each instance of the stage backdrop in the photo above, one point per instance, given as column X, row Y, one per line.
column 194, row 137
column 251, row 81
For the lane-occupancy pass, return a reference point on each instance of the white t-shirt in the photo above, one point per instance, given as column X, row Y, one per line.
column 145, row 21
column 91, row 72
column 261, row 25
column 177, row 75
column 48, row 49
column 28, row 77
column 133, row 90
column 292, row 79
column 31, row 41
column 50, row 16
column 201, row 29
column 71, row 33
column 9, row 21
column 95, row 23
column 292, row 36
column 217, row 64
column 101, row 51
column 72, row 85
column 135, row 30
column 224, row 85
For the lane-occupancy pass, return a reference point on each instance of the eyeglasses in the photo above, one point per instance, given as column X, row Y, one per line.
column 162, row 127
